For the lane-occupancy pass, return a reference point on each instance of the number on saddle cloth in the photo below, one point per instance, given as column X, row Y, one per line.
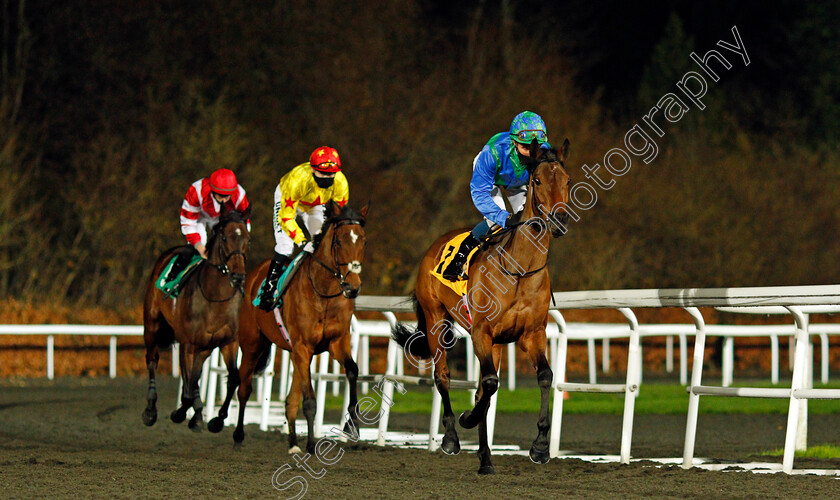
column 172, row 286
column 449, row 250
column 282, row 281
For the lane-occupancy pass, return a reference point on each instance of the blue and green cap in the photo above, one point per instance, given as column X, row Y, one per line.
column 528, row 126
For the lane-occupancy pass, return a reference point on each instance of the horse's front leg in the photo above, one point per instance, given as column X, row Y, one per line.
column 197, row 421
column 229, row 352
column 254, row 355
column 483, row 345
column 301, row 386
column 486, row 466
column 535, row 346
column 340, row 350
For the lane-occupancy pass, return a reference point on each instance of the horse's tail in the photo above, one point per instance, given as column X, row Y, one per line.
column 262, row 361
column 414, row 341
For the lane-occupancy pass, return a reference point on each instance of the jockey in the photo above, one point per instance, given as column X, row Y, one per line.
column 201, row 209
column 303, row 191
column 502, row 163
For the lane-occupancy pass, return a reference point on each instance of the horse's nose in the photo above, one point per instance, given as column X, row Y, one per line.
column 237, row 279
column 562, row 221
column 348, row 290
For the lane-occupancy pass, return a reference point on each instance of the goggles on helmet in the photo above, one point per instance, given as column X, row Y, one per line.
column 526, row 136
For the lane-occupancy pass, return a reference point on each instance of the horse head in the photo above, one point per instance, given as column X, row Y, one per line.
column 550, row 187
column 347, row 245
column 228, row 245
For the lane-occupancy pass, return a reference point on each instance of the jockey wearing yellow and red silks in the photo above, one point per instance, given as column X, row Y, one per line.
column 303, row 191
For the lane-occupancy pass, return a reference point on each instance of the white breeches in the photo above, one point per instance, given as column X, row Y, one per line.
column 515, row 195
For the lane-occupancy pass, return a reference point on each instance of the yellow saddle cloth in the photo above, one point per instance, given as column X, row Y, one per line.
column 449, row 251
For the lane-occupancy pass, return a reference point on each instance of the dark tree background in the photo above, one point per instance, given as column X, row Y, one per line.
column 108, row 110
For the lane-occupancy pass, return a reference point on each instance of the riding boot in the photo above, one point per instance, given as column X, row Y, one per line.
column 181, row 261
column 455, row 269
column 275, row 270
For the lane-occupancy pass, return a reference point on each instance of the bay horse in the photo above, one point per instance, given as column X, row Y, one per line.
column 316, row 309
column 205, row 315
column 507, row 301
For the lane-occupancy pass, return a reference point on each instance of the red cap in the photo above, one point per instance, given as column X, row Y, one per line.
column 325, row 159
column 223, row 182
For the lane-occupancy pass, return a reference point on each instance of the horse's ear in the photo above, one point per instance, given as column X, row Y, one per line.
column 564, row 151
column 364, row 211
column 333, row 209
column 246, row 214
column 223, row 210
column 534, row 149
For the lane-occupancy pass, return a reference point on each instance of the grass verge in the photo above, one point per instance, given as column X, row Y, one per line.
column 653, row 399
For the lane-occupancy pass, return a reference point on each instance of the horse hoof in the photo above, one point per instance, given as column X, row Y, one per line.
column 486, row 470
column 310, row 448
column 195, row 424
column 238, row 437
column 215, row 425
column 352, row 429
column 149, row 417
column 294, row 450
column 178, row 416
column 539, row 456
column 465, row 420
column 450, row 446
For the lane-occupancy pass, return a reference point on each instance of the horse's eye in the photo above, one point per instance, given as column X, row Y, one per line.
column 537, row 181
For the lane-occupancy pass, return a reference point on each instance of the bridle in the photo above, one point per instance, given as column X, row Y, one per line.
column 507, row 233
column 237, row 285
column 352, row 267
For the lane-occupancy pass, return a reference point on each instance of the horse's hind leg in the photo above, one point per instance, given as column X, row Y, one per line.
column 440, row 333
column 229, row 352
column 152, row 358
column 534, row 345
column 450, row 444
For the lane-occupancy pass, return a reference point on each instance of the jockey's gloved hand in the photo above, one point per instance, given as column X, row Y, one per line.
column 308, row 247
column 513, row 219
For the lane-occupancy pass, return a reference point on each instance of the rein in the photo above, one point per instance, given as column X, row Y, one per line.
column 352, row 267
column 505, row 235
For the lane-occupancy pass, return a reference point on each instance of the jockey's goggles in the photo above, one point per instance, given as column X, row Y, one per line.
column 327, row 167
column 526, row 136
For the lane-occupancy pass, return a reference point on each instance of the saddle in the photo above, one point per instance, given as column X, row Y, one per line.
column 282, row 281
column 172, row 287
column 458, row 286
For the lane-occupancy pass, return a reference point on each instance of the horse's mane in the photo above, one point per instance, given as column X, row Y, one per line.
column 546, row 156
column 549, row 155
column 347, row 214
